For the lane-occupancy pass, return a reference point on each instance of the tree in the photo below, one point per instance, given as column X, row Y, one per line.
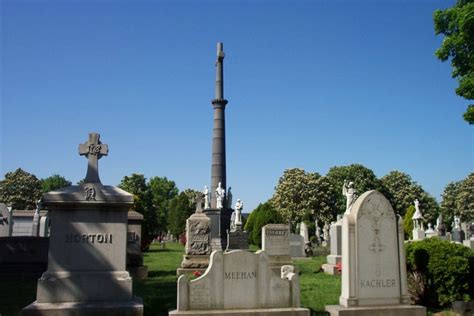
column 299, row 194
column 458, row 199
column 136, row 185
column 364, row 180
column 180, row 208
column 53, row 183
column 20, row 189
column 448, row 203
column 402, row 191
column 162, row 191
column 408, row 222
column 457, row 26
column 262, row 215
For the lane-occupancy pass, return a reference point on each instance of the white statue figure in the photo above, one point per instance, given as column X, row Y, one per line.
column 318, row 233
column 239, row 205
column 439, row 221
column 220, row 195
column 326, row 232
column 417, row 217
column 457, row 223
column 233, row 228
column 430, row 229
column 206, row 197
column 229, row 198
column 350, row 193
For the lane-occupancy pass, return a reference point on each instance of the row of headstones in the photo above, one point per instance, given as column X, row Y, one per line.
column 86, row 268
column 373, row 278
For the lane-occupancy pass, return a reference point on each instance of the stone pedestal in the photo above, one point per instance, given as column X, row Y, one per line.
column 134, row 246
column 457, row 235
column 86, row 271
column 418, row 234
column 237, row 240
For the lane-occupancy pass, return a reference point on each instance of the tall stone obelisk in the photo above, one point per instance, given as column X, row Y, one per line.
column 219, row 214
column 218, row 171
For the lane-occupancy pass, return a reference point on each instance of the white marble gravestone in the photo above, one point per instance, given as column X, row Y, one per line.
column 304, row 232
column 335, row 233
column 240, row 282
column 276, row 244
column 86, row 272
column 374, row 280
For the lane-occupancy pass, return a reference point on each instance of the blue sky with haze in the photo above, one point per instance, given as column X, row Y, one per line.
column 310, row 84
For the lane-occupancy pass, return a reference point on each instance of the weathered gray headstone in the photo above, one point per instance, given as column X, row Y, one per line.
column 86, row 272
column 198, row 240
column 134, row 246
column 374, row 280
column 276, row 244
column 237, row 240
column 241, row 283
column 297, row 246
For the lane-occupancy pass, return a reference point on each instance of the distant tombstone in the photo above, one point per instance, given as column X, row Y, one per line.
column 44, row 226
column 335, row 232
column 430, row 232
column 326, row 235
column 304, row 232
column 317, row 232
column 240, row 283
column 86, row 267
column 134, row 246
column 4, row 221
column 457, row 234
column 36, row 220
column 469, row 242
column 297, row 246
column 276, row 244
column 440, row 227
column 374, row 280
column 198, row 240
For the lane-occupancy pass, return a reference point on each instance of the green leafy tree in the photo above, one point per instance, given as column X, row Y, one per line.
column 465, row 199
column 408, row 222
column 457, row 26
column 20, row 189
column 262, row 215
column 364, row 180
column 180, row 208
column 54, row 182
column 402, row 191
column 458, row 199
column 136, row 184
column 299, row 194
column 162, row 191
column 448, row 203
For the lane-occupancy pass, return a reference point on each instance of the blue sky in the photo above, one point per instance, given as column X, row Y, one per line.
column 310, row 84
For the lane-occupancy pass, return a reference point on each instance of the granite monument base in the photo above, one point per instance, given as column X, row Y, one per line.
column 249, row 312
column 130, row 308
column 387, row 310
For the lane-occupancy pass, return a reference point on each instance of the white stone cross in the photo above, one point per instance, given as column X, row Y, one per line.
column 93, row 149
column 376, row 247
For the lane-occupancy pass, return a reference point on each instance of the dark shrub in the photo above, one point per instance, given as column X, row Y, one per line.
column 439, row 272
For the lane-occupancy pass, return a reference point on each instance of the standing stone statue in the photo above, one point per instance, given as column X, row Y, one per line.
column 206, row 197
column 229, row 198
column 326, row 232
column 239, row 205
column 318, row 232
column 457, row 223
column 417, row 218
column 36, row 220
column 220, row 195
column 350, row 193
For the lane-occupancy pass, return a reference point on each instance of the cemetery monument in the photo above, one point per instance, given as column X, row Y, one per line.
column 374, row 279
column 276, row 244
column 417, row 218
column 86, row 272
